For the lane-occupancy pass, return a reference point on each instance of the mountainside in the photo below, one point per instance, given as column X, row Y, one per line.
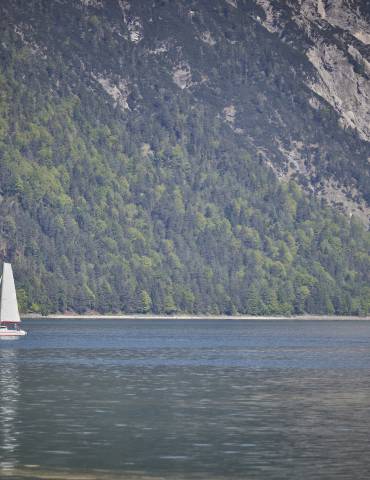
column 194, row 156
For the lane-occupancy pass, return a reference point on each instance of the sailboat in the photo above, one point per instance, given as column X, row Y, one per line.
column 9, row 315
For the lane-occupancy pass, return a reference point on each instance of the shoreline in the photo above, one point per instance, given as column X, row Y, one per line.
column 195, row 317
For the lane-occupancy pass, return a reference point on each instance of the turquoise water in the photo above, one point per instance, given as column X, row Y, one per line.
column 186, row 399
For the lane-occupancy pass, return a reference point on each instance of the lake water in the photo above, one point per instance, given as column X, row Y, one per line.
column 113, row 399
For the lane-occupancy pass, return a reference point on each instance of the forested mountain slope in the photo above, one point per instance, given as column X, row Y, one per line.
column 188, row 156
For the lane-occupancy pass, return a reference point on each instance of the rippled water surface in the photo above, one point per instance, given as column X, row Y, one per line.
column 186, row 399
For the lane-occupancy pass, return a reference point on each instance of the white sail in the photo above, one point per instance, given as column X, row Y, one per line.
column 8, row 303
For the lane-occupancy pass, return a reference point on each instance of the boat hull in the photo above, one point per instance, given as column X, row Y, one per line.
column 12, row 334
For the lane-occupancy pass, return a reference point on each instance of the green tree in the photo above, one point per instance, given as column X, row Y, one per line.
column 146, row 302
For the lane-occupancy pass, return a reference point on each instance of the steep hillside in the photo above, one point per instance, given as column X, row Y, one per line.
column 184, row 156
column 334, row 37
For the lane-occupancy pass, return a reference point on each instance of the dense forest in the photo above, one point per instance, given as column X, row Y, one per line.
column 153, row 202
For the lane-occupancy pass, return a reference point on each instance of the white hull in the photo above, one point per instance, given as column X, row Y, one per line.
column 11, row 334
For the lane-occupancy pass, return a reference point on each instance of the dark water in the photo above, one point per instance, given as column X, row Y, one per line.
column 186, row 399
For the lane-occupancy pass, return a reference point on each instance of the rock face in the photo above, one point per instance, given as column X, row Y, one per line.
column 118, row 92
column 182, row 76
column 339, row 33
column 347, row 15
column 347, row 91
column 334, row 37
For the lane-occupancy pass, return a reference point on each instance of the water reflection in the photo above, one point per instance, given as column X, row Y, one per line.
column 133, row 400
column 9, row 389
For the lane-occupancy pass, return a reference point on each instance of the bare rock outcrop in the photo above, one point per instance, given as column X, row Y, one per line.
column 334, row 36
